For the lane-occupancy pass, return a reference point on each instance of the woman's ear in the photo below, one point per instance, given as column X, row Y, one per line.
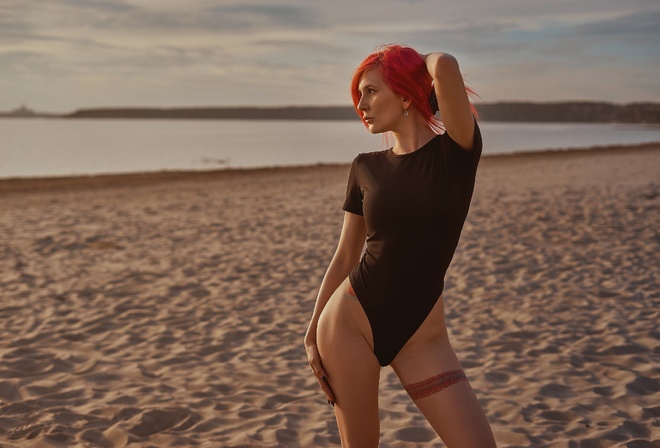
column 406, row 103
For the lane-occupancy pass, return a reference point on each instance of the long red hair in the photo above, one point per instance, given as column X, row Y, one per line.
column 405, row 72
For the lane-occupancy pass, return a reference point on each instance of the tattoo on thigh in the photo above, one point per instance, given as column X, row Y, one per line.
column 350, row 292
column 347, row 295
column 435, row 384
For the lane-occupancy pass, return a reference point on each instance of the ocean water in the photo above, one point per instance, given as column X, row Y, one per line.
column 62, row 147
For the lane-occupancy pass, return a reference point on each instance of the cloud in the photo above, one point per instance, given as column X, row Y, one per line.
column 168, row 52
column 58, row 16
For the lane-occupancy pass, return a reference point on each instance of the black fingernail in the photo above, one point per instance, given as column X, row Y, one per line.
column 324, row 378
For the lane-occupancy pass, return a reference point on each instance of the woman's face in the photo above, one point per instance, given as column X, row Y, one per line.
column 380, row 106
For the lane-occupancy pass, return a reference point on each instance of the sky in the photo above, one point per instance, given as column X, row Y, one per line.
column 61, row 55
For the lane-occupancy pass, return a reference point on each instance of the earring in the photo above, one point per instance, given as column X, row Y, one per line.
column 405, row 112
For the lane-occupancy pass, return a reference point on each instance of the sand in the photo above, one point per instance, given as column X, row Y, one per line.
column 169, row 309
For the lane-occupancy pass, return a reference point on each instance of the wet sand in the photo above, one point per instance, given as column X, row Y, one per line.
column 168, row 309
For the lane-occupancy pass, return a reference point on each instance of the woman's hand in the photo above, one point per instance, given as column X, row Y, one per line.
column 314, row 359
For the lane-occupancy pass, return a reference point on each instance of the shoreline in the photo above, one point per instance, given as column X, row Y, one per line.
column 568, row 110
column 85, row 181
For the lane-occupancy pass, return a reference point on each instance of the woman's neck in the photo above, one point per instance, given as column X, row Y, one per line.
column 411, row 138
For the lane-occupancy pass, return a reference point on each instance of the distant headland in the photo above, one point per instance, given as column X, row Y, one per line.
column 569, row 111
column 26, row 112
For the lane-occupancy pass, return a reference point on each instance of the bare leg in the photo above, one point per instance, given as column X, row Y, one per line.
column 447, row 401
column 345, row 344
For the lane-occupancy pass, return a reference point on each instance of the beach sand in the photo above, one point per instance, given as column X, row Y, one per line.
column 169, row 309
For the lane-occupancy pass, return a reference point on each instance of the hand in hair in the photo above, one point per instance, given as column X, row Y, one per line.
column 456, row 112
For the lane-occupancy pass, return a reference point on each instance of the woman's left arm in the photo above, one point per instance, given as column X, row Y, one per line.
column 453, row 102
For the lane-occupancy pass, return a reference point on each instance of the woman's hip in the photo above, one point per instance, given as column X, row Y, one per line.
column 343, row 316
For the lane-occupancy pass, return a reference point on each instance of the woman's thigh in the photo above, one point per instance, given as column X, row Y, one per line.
column 345, row 345
column 428, row 352
column 457, row 417
column 448, row 403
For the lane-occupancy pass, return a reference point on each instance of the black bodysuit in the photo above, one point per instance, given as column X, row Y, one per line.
column 414, row 206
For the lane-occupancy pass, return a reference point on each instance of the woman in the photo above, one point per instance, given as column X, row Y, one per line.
column 409, row 203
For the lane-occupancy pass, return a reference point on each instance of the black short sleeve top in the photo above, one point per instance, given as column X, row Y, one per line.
column 414, row 206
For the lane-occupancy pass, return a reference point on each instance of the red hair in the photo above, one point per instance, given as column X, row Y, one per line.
column 404, row 71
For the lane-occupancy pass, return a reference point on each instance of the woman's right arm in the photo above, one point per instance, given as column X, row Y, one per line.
column 347, row 255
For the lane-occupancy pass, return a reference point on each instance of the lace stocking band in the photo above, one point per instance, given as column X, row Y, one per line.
column 435, row 384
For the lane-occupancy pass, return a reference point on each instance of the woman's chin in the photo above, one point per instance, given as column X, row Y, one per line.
column 374, row 130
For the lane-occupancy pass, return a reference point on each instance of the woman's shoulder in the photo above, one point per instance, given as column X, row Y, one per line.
column 449, row 142
column 366, row 159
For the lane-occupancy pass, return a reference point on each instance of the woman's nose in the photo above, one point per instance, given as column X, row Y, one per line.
column 362, row 104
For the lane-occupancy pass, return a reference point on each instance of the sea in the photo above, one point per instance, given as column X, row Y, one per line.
column 53, row 147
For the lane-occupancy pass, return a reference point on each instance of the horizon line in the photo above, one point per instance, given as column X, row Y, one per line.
column 23, row 109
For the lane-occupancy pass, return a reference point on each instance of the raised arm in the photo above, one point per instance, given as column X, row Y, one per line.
column 453, row 102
